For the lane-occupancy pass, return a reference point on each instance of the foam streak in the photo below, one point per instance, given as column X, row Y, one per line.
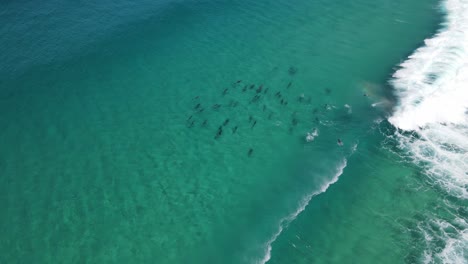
column 284, row 222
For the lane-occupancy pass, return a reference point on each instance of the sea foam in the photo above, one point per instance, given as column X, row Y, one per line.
column 284, row 222
column 431, row 86
column 433, row 96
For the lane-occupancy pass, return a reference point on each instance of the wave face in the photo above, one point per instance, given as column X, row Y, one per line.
column 433, row 105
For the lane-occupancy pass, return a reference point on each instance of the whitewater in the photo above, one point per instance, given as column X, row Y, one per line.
column 284, row 222
column 432, row 121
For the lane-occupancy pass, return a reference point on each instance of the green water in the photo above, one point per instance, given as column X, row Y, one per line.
column 100, row 161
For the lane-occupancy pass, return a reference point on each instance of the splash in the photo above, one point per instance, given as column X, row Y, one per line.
column 311, row 135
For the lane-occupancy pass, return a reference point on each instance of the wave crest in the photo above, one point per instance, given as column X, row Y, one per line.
column 431, row 84
column 284, row 222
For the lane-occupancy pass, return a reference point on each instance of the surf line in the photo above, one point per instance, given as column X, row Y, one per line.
column 284, row 222
column 432, row 103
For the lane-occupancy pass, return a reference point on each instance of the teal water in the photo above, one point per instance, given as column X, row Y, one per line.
column 110, row 113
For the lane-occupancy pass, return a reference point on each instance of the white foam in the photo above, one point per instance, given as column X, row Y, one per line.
column 311, row 135
column 350, row 110
column 455, row 249
column 455, row 237
column 354, row 148
column 377, row 104
column 431, row 86
column 284, row 222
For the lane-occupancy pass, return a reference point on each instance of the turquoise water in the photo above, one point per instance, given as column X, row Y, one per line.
column 206, row 132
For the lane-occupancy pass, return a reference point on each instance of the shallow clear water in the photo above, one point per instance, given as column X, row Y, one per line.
column 176, row 132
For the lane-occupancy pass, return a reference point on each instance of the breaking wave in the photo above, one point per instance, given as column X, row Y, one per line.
column 432, row 120
column 284, row 222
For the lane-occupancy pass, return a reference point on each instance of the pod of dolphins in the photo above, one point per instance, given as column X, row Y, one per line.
column 260, row 92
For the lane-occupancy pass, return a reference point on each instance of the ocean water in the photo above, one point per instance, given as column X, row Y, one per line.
column 180, row 131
